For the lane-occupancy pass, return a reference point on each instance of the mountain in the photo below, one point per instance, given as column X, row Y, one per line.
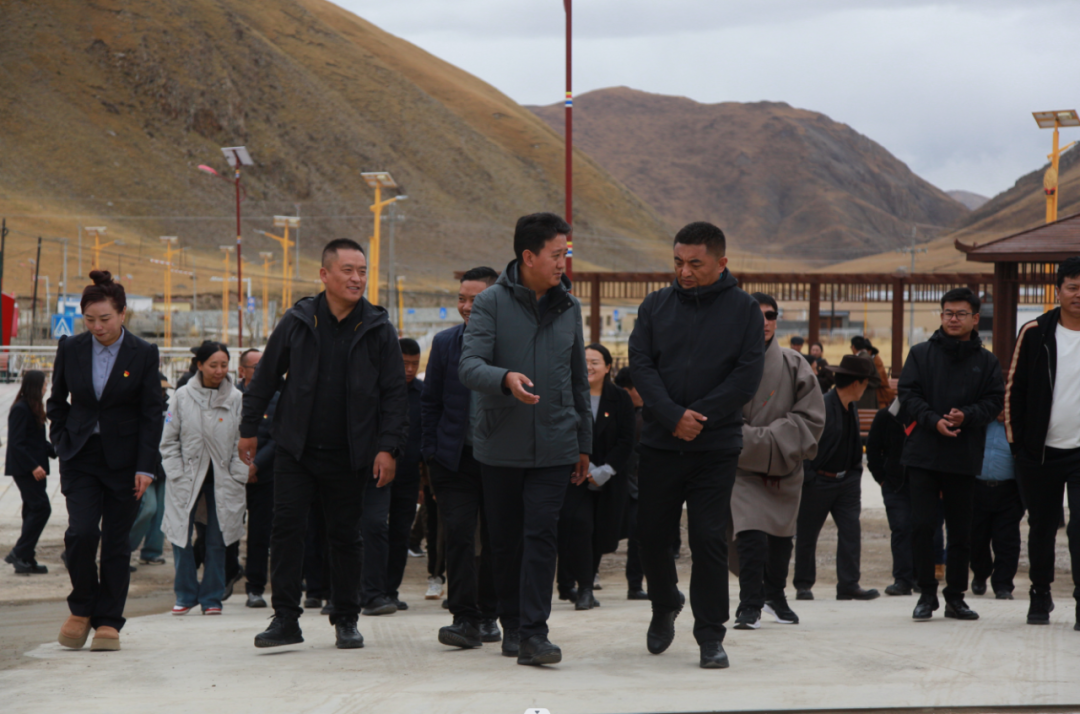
column 972, row 200
column 108, row 108
column 779, row 180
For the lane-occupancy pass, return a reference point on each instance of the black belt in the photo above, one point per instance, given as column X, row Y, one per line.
column 836, row 476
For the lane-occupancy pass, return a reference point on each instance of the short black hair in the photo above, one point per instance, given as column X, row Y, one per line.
column 207, row 350
column 605, row 353
column 533, row 231
column 330, row 250
column 1069, row 268
column 846, row 380
column 409, row 346
column 765, row 299
column 245, row 353
column 961, row 295
column 623, row 379
column 796, row 340
column 860, row 343
column 483, row 274
column 703, row 233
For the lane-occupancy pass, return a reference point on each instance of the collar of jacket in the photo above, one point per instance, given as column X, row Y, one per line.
column 1048, row 322
column 370, row 316
column 708, row 293
column 511, row 279
column 958, row 350
column 215, row 397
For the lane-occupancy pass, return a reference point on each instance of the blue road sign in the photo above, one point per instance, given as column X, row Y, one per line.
column 63, row 326
column 442, row 313
column 616, row 314
column 251, row 304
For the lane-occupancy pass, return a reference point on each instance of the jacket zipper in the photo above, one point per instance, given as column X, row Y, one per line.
column 1049, row 374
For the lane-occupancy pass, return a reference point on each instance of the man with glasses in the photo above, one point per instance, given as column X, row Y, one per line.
column 950, row 390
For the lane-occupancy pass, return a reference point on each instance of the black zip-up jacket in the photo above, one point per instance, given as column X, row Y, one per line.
column 832, row 445
column 377, row 404
column 1029, row 391
column 700, row 349
column 884, row 445
column 941, row 374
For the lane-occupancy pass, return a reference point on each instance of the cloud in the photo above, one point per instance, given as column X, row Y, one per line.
column 948, row 86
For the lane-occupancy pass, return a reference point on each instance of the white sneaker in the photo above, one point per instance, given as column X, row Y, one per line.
column 434, row 588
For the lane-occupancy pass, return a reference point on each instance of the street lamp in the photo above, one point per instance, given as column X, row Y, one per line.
column 238, row 156
column 285, row 222
column 391, row 275
column 1054, row 120
column 226, row 249
column 268, row 258
column 377, row 180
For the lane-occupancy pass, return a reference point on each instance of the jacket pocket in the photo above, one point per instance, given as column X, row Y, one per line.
column 128, row 428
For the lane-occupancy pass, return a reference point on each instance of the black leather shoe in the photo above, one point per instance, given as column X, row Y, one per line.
column 568, row 594
column 462, row 634
column 898, row 588
column 37, row 568
column 713, row 656
column 255, row 600
column 230, row 583
column 804, row 595
column 511, row 643
column 585, row 600
column 348, row 637
column 1040, row 608
column 978, row 587
column 537, row 650
column 661, row 630
column 381, row 605
column 282, row 631
column 638, row 594
column 489, row 630
column 401, row 605
column 857, row 594
column 1077, row 625
column 1004, row 595
column 958, row 610
column 924, row 609
column 312, row 603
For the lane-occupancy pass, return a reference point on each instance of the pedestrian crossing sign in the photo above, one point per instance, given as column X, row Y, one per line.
column 63, row 326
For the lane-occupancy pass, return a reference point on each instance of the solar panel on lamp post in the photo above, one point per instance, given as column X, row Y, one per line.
column 377, row 180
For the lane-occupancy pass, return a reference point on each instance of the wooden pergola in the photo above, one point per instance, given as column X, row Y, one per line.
column 1027, row 259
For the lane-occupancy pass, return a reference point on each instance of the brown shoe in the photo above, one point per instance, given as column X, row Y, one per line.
column 74, row 632
column 106, row 639
column 939, row 571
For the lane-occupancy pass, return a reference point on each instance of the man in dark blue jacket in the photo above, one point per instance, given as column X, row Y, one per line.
column 260, row 505
column 447, row 446
column 696, row 356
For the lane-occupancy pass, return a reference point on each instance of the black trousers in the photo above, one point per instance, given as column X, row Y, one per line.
column 436, row 557
column 898, row 511
column 703, row 480
column 470, row 580
column 634, row 574
column 96, row 495
column 375, row 529
column 35, row 514
column 316, row 554
column 842, row 499
column 260, row 507
column 404, row 491
column 522, row 508
column 1044, row 486
column 763, row 567
column 957, row 496
column 340, row 490
column 577, row 537
column 996, row 523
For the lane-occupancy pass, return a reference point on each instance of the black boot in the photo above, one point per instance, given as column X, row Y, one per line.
column 636, row 594
column 958, row 610
column 585, row 600
column 661, row 631
column 538, row 650
column 282, row 631
column 511, row 643
column 348, row 637
column 489, row 630
column 1040, row 608
column 924, row 609
column 713, row 656
column 462, row 634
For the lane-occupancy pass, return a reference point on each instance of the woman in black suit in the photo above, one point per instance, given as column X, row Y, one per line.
column 592, row 512
column 106, row 419
column 27, row 462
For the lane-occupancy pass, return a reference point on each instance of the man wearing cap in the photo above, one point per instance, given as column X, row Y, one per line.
column 832, row 485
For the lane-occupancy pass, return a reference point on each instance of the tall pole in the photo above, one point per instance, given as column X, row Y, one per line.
column 3, row 246
column 239, row 268
column 391, row 283
column 80, row 252
column 267, row 258
column 569, row 147
column 297, row 261
column 66, row 241
column 373, row 259
column 33, row 305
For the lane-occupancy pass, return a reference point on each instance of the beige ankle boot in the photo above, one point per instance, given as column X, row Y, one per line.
column 74, row 632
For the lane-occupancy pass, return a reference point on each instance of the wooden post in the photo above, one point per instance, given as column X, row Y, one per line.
column 898, row 326
column 814, row 331
column 1006, row 299
column 594, row 308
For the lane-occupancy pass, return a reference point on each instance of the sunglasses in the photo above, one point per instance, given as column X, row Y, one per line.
column 771, row 315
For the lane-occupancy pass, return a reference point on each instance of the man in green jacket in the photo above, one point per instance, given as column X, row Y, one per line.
column 523, row 355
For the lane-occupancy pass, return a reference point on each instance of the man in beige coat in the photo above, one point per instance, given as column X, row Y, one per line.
column 781, row 427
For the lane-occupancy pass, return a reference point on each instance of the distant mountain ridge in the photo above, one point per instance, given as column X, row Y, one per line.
column 972, row 200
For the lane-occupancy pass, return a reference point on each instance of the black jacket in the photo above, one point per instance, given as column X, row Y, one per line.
column 408, row 465
column 941, row 374
column 130, row 412
column 1029, row 393
column 27, row 446
column 444, row 403
column 613, row 443
column 700, row 349
column 264, row 457
column 832, row 442
column 377, row 406
column 884, row 445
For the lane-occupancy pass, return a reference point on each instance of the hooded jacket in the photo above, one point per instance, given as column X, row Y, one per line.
column 507, row 333
column 941, row 374
column 701, row 349
column 1029, row 393
column 377, row 407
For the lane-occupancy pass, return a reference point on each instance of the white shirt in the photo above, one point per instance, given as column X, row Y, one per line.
column 1064, row 432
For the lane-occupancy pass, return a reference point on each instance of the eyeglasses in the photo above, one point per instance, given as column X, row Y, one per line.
column 950, row 315
column 771, row 315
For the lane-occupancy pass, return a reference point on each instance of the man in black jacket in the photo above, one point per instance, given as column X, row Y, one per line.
column 884, row 445
column 342, row 419
column 635, row 576
column 1042, row 422
column 696, row 356
column 950, row 389
column 260, row 505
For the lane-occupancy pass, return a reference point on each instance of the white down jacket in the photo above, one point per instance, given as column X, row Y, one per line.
column 202, row 427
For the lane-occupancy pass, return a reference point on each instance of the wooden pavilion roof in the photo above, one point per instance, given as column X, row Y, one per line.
column 1049, row 243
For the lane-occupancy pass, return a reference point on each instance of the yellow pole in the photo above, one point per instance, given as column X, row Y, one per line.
column 1050, row 186
column 400, row 305
column 267, row 259
column 373, row 259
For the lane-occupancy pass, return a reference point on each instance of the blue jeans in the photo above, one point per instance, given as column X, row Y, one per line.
column 148, row 521
column 189, row 590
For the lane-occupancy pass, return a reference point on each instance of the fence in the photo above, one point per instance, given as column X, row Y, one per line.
column 16, row 359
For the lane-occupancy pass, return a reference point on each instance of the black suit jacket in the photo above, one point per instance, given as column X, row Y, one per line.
column 613, row 442
column 27, row 446
column 832, row 443
column 130, row 411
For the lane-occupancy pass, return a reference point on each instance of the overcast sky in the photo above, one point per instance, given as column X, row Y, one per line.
column 946, row 86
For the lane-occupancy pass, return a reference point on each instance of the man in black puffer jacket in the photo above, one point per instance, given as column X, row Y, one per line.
column 884, row 446
column 950, row 389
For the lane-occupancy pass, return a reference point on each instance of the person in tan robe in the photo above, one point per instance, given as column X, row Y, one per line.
column 781, row 428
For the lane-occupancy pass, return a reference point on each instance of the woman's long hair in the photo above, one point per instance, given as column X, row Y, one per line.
column 606, row 354
column 33, row 384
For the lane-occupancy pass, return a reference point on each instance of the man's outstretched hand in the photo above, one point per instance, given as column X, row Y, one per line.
column 516, row 382
column 690, row 425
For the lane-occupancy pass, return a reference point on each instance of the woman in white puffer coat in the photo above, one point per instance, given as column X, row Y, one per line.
column 203, row 467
